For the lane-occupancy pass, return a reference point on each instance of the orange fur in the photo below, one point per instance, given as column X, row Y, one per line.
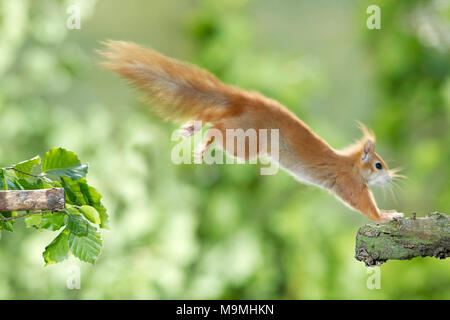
column 181, row 91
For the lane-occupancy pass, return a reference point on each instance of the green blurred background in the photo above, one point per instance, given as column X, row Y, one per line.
column 224, row 231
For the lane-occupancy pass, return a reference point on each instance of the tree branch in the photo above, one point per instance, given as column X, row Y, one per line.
column 404, row 239
column 26, row 200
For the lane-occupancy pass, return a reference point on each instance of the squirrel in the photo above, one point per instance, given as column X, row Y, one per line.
column 182, row 91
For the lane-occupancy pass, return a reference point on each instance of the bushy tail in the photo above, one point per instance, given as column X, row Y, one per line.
column 179, row 91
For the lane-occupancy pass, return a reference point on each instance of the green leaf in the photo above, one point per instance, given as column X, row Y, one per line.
column 94, row 199
column 86, row 247
column 26, row 166
column 58, row 249
column 72, row 209
column 6, row 225
column 33, row 220
column 12, row 183
column 80, row 193
column 73, row 191
column 8, row 182
column 91, row 214
column 77, row 225
column 3, row 185
column 60, row 162
column 42, row 184
column 53, row 220
column 27, row 185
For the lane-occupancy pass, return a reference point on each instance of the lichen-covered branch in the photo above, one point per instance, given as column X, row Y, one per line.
column 404, row 239
column 25, row 200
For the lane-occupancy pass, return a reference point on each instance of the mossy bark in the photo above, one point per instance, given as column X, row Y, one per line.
column 404, row 239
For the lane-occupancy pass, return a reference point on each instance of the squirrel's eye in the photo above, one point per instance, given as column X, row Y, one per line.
column 378, row 165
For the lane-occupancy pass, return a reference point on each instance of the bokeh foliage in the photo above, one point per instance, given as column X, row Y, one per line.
column 224, row 231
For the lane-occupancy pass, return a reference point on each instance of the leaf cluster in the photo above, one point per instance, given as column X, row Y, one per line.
column 78, row 223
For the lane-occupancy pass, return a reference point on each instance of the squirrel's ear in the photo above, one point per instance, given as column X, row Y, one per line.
column 368, row 142
column 368, row 148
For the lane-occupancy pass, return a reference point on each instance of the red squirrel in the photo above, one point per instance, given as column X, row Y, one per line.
column 185, row 92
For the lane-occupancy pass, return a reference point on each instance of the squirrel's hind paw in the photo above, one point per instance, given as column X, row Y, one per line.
column 189, row 129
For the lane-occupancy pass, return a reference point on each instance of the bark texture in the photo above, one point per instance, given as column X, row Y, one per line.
column 24, row 200
column 404, row 239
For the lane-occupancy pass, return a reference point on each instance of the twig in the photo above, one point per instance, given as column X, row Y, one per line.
column 26, row 173
column 42, row 175
column 31, row 213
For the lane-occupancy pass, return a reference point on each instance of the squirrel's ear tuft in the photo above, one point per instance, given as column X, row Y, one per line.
column 367, row 134
column 367, row 141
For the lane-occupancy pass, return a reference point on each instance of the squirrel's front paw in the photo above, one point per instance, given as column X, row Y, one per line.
column 391, row 215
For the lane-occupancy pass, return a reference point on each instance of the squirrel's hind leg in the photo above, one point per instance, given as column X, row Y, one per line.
column 215, row 134
column 202, row 148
